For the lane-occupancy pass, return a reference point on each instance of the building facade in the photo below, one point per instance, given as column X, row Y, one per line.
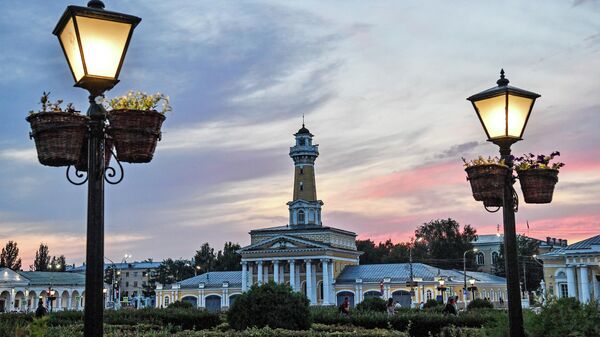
column 319, row 261
column 488, row 249
column 574, row 271
column 130, row 279
column 20, row 291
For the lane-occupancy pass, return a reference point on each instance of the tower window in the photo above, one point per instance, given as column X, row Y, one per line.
column 302, row 141
column 301, row 216
column 301, row 171
column 301, row 186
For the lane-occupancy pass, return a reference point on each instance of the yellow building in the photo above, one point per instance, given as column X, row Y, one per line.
column 574, row 271
column 321, row 261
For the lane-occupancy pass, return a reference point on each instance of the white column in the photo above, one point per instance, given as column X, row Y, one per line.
column 326, row 282
column 571, row 281
column 244, row 276
column 250, row 275
column 292, row 274
column 584, row 291
column 309, row 287
column 259, row 266
column 276, row 271
column 69, row 301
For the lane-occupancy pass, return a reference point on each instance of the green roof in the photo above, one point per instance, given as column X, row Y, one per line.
column 54, row 278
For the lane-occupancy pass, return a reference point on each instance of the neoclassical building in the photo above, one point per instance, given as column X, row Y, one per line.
column 320, row 261
column 574, row 271
column 20, row 291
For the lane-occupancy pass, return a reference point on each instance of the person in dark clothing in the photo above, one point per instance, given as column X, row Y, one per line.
column 345, row 306
column 450, row 308
column 41, row 310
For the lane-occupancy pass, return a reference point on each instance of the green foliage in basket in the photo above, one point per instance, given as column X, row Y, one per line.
column 137, row 100
column 483, row 161
column 48, row 106
column 540, row 161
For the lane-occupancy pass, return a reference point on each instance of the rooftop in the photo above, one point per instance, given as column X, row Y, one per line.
column 122, row 266
column 53, row 278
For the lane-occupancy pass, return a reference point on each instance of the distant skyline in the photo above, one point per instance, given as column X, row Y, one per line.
column 382, row 86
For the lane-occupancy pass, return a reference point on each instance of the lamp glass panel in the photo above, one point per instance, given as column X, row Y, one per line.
column 103, row 45
column 493, row 113
column 518, row 109
column 71, row 46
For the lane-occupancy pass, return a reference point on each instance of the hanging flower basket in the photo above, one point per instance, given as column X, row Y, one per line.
column 58, row 136
column 135, row 133
column 82, row 162
column 538, row 185
column 487, row 183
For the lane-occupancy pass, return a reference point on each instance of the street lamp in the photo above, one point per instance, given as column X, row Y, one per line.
column 442, row 288
column 95, row 43
column 472, row 288
column 412, row 284
column 503, row 112
column 475, row 250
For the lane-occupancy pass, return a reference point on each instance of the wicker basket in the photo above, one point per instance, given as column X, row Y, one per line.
column 82, row 163
column 135, row 134
column 487, row 183
column 538, row 185
column 58, row 136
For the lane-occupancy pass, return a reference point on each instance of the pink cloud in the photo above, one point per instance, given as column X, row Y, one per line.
column 428, row 177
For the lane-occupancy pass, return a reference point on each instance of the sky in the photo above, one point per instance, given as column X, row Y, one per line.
column 382, row 86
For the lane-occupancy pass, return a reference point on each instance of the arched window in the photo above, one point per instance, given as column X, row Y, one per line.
column 429, row 294
column 166, row 301
column 301, row 216
column 480, row 259
column 494, row 257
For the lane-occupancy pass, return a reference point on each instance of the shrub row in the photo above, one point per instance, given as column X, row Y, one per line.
column 416, row 323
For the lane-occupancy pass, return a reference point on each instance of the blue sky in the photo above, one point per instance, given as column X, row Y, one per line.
column 382, row 85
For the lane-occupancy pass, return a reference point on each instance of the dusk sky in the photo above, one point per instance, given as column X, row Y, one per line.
column 382, row 85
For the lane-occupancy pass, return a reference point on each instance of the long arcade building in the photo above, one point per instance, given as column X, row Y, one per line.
column 321, row 262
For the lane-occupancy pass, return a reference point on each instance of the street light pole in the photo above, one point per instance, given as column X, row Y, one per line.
column 465, row 294
column 504, row 112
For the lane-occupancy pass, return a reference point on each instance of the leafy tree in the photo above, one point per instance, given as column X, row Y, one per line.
column 228, row 259
column 42, row 259
column 171, row 271
column 443, row 243
column 526, row 248
column 9, row 258
column 371, row 254
column 205, row 258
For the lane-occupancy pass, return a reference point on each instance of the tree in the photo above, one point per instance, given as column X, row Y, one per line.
column 205, row 258
column 526, row 249
column 42, row 259
column 171, row 271
column 228, row 259
column 443, row 244
column 10, row 256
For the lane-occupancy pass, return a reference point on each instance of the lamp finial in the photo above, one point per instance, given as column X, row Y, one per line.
column 98, row 4
column 503, row 81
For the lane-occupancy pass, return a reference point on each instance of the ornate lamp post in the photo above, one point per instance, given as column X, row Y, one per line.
column 95, row 42
column 465, row 273
column 503, row 112
column 412, row 283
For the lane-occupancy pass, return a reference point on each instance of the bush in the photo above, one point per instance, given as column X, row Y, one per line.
column 180, row 305
column 566, row 317
column 430, row 304
column 479, row 303
column 273, row 305
column 328, row 315
column 369, row 319
column 372, row 304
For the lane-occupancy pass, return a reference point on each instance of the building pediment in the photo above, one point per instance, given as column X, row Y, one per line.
column 282, row 242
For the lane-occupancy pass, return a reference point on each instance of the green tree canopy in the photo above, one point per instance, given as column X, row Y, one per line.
column 228, row 259
column 533, row 271
column 9, row 258
column 42, row 259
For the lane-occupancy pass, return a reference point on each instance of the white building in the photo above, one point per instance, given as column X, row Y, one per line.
column 20, row 291
column 318, row 260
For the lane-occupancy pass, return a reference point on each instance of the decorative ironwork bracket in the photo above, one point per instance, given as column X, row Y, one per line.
column 112, row 175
